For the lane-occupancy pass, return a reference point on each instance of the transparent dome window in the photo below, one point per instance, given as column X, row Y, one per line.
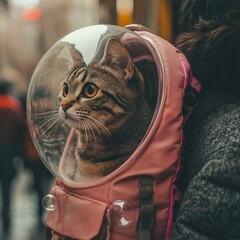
column 91, row 101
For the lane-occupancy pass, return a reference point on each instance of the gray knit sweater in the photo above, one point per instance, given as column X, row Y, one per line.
column 211, row 205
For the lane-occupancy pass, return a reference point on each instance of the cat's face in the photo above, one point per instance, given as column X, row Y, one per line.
column 101, row 97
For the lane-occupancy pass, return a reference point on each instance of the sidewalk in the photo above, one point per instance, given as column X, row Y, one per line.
column 25, row 224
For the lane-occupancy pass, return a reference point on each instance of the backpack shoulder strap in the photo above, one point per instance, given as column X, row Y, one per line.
column 146, row 218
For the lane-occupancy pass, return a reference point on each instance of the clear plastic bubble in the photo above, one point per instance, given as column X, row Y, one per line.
column 49, row 202
column 55, row 126
column 122, row 213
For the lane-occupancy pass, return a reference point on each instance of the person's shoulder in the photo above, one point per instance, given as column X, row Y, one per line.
column 216, row 136
column 226, row 118
column 221, row 128
column 223, row 118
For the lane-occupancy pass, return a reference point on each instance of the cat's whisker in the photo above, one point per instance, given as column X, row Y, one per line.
column 46, row 115
column 99, row 124
column 86, row 134
column 50, row 131
column 43, row 114
column 93, row 133
column 94, row 125
column 48, row 122
column 54, row 127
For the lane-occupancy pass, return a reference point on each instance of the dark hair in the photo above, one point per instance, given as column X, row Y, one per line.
column 195, row 11
column 210, row 41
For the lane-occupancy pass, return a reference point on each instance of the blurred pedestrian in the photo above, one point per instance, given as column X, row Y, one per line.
column 211, row 179
column 11, row 135
column 42, row 178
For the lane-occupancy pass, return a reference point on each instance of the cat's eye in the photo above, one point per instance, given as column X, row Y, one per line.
column 65, row 90
column 90, row 90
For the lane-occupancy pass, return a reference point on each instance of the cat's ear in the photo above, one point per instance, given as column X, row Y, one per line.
column 74, row 57
column 117, row 55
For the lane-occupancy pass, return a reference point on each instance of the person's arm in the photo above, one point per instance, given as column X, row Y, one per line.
column 211, row 205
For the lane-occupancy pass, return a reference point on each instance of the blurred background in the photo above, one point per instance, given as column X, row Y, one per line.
column 28, row 28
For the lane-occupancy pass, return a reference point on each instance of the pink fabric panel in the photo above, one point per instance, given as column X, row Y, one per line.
column 83, row 219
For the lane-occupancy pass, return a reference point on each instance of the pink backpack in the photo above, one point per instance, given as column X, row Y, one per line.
column 137, row 200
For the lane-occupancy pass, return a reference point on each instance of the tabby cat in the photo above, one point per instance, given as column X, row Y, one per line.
column 104, row 103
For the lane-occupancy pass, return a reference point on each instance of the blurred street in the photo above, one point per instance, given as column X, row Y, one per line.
column 25, row 224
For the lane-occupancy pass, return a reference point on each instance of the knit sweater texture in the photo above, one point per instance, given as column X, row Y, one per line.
column 211, row 205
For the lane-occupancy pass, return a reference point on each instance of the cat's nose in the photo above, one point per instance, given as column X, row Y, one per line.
column 66, row 106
